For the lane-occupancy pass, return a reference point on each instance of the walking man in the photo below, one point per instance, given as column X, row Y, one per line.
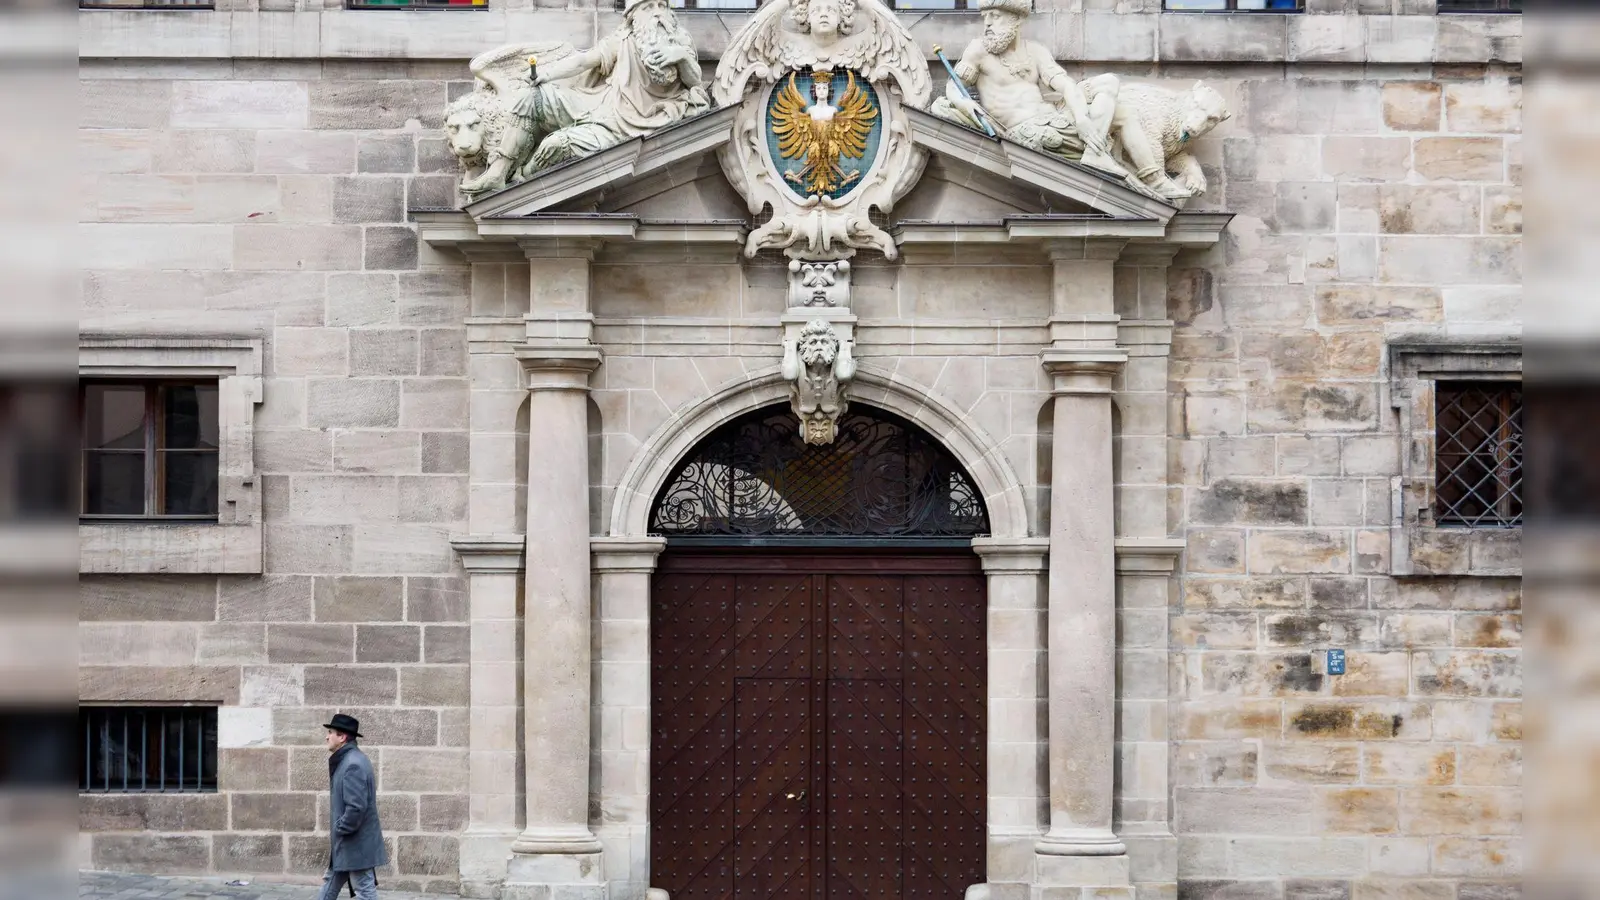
column 356, row 849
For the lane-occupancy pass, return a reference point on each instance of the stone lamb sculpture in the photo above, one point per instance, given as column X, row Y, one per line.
column 1153, row 127
column 818, row 367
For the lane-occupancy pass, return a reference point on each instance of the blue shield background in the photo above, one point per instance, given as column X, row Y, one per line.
column 860, row 166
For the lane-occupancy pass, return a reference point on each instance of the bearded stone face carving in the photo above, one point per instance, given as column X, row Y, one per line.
column 1136, row 132
column 540, row 105
column 818, row 366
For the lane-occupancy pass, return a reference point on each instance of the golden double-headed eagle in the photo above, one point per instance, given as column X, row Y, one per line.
column 819, row 135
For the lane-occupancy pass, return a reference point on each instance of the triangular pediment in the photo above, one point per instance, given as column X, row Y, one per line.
column 673, row 177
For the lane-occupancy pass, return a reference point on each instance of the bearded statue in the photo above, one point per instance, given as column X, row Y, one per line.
column 819, row 366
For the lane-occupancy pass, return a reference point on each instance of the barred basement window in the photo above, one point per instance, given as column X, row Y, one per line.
column 1480, row 6
column 148, row 749
column 1478, row 454
column 150, row 450
column 1268, row 6
column 146, row 4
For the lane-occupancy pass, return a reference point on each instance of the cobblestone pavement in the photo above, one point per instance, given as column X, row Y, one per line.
column 117, row 886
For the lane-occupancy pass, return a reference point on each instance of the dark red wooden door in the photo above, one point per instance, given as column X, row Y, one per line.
column 818, row 726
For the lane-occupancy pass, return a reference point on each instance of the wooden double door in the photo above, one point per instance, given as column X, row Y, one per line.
column 818, row 726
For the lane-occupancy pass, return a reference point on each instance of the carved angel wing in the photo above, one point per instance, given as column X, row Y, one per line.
column 753, row 53
column 792, row 124
column 853, row 121
column 897, row 56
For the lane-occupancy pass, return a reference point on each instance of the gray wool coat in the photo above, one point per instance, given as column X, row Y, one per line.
column 357, row 840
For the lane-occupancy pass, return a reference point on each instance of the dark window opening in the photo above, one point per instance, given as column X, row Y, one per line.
column 1480, row 6
column 150, row 450
column 1268, row 6
column 1478, row 454
column 416, row 4
column 148, row 749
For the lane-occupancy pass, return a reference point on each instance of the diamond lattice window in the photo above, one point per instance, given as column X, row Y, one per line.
column 1478, row 454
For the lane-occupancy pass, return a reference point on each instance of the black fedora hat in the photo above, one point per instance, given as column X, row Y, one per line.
column 346, row 724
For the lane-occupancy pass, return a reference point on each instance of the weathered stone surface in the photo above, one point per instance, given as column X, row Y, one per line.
column 1412, row 105
column 348, row 686
column 426, row 771
column 123, row 598
column 431, row 599
column 153, row 812
column 1467, row 673
column 1364, row 721
column 447, row 644
column 1312, row 763
column 248, row 853
column 1304, row 551
column 1460, row 810
column 1359, row 810
column 152, row 852
column 1461, row 159
column 253, row 769
column 310, row 643
column 434, row 686
column 159, row 684
column 427, row 854
column 388, row 643
column 1238, row 502
column 273, row 812
column 358, row 599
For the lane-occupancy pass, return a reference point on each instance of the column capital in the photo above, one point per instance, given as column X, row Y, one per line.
column 559, row 365
column 562, row 247
column 1029, row 554
column 626, row 554
column 1158, row 255
column 1082, row 371
column 1103, row 249
column 1148, row 555
column 490, row 553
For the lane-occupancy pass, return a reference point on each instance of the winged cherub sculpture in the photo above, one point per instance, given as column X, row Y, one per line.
column 819, row 135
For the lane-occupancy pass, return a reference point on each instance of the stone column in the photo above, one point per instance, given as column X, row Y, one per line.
column 1018, row 802
column 556, row 846
column 1082, row 359
column 624, row 566
column 494, row 571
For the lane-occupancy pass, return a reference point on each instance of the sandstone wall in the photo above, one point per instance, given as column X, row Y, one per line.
column 249, row 171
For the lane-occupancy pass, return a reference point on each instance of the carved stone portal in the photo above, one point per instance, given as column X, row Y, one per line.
column 818, row 365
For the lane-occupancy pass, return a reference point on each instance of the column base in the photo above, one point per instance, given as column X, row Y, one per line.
column 1081, row 842
column 550, row 864
column 1082, row 858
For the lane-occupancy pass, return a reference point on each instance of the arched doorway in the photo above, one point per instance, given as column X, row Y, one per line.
column 818, row 666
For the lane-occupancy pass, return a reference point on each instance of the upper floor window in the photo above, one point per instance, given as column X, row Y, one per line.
column 416, row 4
column 1278, row 6
column 146, row 4
column 150, row 449
column 1480, row 6
column 1478, row 453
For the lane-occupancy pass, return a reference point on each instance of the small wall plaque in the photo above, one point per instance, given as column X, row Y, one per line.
column 1335, row 662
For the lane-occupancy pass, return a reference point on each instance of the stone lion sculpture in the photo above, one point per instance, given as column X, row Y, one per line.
column 473, row 125
column 819, row 366
column 1153, row 126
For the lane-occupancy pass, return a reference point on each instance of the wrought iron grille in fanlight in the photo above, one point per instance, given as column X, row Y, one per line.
column 882, row 477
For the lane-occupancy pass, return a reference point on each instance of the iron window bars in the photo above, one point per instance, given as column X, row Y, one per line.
column 148, row 749
column 150, row 450
column 1478, row 454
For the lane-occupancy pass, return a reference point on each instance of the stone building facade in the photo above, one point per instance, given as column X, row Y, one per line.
column 1205, row 442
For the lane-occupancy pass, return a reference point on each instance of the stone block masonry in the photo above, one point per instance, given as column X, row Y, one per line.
column 254, row 177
